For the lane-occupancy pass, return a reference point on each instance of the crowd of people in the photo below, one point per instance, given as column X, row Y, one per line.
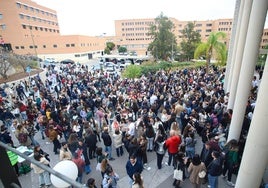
column 166, row 111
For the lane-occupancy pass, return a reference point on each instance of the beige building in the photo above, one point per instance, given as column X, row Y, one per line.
column 29, row 28
column 133, row 32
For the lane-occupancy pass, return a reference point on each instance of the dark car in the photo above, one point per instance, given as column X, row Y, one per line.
column 67, row 61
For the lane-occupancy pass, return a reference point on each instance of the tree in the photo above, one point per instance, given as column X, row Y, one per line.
column 132, row 71
column 6, row 62
column 214, row 47
column 122, row 49
column 190, row 40
column 164, row 44
column 109, row 47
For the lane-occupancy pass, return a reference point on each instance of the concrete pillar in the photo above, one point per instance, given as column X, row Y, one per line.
column 235, row 28
column 236, row 37
column 239, row 52
column 255, row 156
column 254, row 34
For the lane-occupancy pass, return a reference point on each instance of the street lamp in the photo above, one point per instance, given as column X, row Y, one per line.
column 30, row 27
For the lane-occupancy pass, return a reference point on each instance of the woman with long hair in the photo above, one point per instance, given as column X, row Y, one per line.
column 195, row 167
column 138, row 182
column 231, row 160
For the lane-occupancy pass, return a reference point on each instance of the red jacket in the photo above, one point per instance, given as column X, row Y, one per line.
column 172, row 144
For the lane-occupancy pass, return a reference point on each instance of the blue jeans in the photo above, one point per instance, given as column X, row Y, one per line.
column 190, row 152
column 150, row 143
column 108, row 149
column 44, row 178
column 213, row 181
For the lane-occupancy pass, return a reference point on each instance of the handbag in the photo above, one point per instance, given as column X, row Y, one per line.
column 98, row 167
column 202, row 174
column 178, row 174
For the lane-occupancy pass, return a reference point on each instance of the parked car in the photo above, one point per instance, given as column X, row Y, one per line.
column 67, row 61
column 49, row 62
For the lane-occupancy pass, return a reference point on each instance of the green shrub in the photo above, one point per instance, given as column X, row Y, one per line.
column 132, row 71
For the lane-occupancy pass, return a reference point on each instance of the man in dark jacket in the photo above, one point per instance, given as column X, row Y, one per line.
column 91, row 142
column 133, row 166
column 214, row 169
column 107, row 142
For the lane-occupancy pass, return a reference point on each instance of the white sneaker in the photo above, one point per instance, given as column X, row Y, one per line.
column 230, row 183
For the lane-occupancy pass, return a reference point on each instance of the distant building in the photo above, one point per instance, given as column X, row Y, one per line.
column 29, row 28
column 133, row 32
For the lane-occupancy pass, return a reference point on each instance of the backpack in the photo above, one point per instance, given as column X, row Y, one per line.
column 22, row 137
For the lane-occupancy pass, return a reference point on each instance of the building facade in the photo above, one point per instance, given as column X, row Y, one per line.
column 29, row 28
column 133, row 33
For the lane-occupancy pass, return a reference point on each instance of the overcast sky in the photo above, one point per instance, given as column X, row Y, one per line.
column 95, row 17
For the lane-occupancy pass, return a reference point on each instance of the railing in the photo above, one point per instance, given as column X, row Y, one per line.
column 44, row 167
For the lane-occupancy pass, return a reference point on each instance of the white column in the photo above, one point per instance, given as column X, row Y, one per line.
column 255, row 154
column 232, row 58
column 235, row 29
column 254, row 34
column 239, row 53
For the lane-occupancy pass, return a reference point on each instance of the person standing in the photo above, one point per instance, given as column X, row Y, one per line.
column 172, row 144
column 150, row 135
column 107, row 142
column 231, row 161
column 194, row 168
column 118, row 144
column 214, row 170
column 53, row 136
column 91, row 143
column 65, row 153
column 133, row 166
column 80, row 163
column 160, row 150
column 43, row 175
column 110, row 179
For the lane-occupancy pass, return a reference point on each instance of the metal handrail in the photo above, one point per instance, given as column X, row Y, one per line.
column 44, row 167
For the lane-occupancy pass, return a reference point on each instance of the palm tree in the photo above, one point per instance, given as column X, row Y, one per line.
column 214, row 47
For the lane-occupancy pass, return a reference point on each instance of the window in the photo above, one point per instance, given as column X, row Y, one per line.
column 44, row 46
column 67, row 45
column 46, row 29
column 30, row 27
column 209, row 25
column 36, row 28
column 32, row 9
column 1, row 16
column 28, row 17
column 37, row 10
column 208, row 30
column 24, row 26
column 25, row 7
column 3, row 26
column 18, row 5
column 17, row 47
column 21, row 16
column 198, row 25
column 72, row 45
column 31, row 47
column 34, row 18
column 21, row 47
column 55, row 45
column 50, row 30
column 41, row 28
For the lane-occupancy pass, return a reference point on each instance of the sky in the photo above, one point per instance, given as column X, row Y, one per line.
column 96, row 17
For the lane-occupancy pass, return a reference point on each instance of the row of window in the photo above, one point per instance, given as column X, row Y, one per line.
column 224, row 29
column 200, row 25
column 36, row 10
column 138, row 23
column 55, row 46
column 265, row 33
column 136, row 29
column 40, row 28
column 22, row 16
column 225, row 23
column 132, row 39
